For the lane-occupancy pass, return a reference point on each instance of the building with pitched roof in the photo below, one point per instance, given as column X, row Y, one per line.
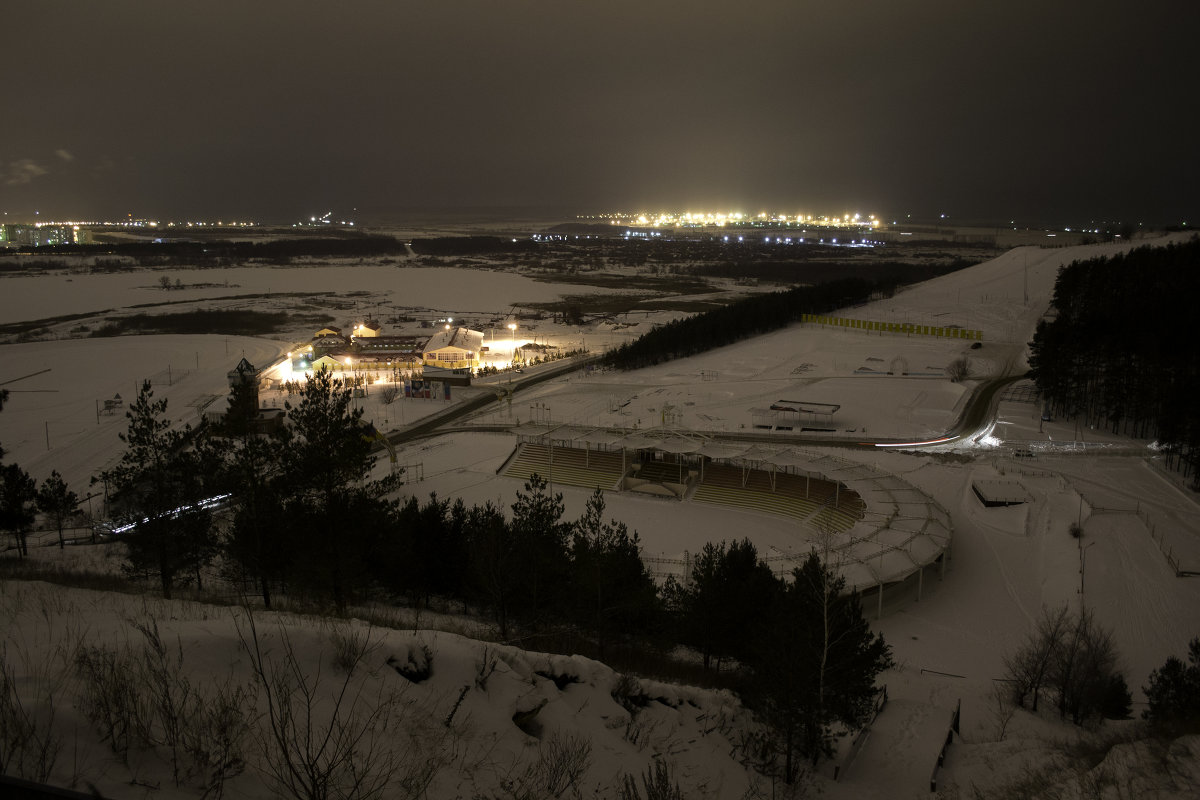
column 366, row 330
column 455, row 349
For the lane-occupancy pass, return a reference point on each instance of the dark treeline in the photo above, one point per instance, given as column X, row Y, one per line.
column 753, row 251
column 1121, row 354
column 192, row 251
column 230, row 321
column 752, row 316
column 814, row 272
column 304, row 519
column 472, row 245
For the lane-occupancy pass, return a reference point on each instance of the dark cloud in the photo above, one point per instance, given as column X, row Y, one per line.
column 21, row 172
column 272, row 109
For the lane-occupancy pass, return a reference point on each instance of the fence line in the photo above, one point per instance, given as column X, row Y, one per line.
column 1160, row 540
column 907, row 328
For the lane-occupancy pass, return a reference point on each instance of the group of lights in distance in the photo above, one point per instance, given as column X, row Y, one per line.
column 737, row 219
column 142, row 223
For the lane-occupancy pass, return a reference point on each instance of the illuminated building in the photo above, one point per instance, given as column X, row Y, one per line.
column 41, row 235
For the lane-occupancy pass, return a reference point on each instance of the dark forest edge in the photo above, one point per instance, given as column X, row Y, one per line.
column 742, row 319
column 1121, row 353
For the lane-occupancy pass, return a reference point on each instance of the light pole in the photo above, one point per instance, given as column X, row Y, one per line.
column 1082, row 571
column 512, row 362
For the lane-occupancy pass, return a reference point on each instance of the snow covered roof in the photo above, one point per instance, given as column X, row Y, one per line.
column 461, row 338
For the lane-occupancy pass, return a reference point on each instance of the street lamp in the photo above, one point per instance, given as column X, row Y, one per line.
column 1083, row 571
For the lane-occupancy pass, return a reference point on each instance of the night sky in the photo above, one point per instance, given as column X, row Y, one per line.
column 1054, row 112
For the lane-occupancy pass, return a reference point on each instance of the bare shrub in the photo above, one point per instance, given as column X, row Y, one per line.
column 562, row 761
column 140, row 697
column 166, row 694
column 29, row 747
column 1002, row 707
column 111, row 697
column 1028, row 668
column 213, row 736
column 627, row 691
column 658, row 782
column 488, row 662
column 959, row 369
column 327, row 739
column 638, row 731
column 351, row 646
column 1073, row 659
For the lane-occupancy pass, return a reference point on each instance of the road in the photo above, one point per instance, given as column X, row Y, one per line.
column 978, row 413
column 532, row 377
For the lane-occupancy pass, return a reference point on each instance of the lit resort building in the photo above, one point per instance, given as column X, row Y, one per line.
column 451, row 354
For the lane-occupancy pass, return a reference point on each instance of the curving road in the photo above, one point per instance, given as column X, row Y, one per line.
column 976, row 418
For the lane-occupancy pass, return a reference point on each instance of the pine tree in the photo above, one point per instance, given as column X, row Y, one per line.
column 18, row 495
column 57, row 502
column 717, row 612
column 333, row 511
column 495, row 565
column 425, row 552
column 613, row 590
column 248, row 468
column 1173, row 694
column 159, row 484
column 817, row 666
column 539, row 539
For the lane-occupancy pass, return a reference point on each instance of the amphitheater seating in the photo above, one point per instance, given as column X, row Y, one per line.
column 571, row 466
column 815, row 501
column 755, row 500
column 662, row 472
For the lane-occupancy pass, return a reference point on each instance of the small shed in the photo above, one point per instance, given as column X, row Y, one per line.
column 1000, row 493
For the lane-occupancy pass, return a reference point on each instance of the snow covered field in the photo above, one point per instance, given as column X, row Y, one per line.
column 1007, row 563
column 64, row 292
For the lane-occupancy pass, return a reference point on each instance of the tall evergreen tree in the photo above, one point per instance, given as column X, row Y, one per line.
column 719, row 611
column 426, row 552
column 613, row 590
column 818, row 665
column 57, row 502
column 495, row 564
column 18, row 496
column 333, row 510
column 1173, row 694
column 249, row 467
column 158, row 485
column 539, row 538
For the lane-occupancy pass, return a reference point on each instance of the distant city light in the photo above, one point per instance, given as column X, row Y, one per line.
column 708, row 219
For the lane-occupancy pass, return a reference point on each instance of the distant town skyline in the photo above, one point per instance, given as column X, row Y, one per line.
column 1058, row 113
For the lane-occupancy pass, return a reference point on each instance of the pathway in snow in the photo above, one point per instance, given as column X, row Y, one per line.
column 902, row 749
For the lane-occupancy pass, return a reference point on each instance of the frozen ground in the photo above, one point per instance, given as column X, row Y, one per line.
column 1007, row 564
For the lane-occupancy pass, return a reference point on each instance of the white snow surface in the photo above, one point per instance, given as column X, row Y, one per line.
column 1006, row 566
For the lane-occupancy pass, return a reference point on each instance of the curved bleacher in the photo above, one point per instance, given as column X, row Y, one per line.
column 570, row 466
column 884, row 531
column 817, row 502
